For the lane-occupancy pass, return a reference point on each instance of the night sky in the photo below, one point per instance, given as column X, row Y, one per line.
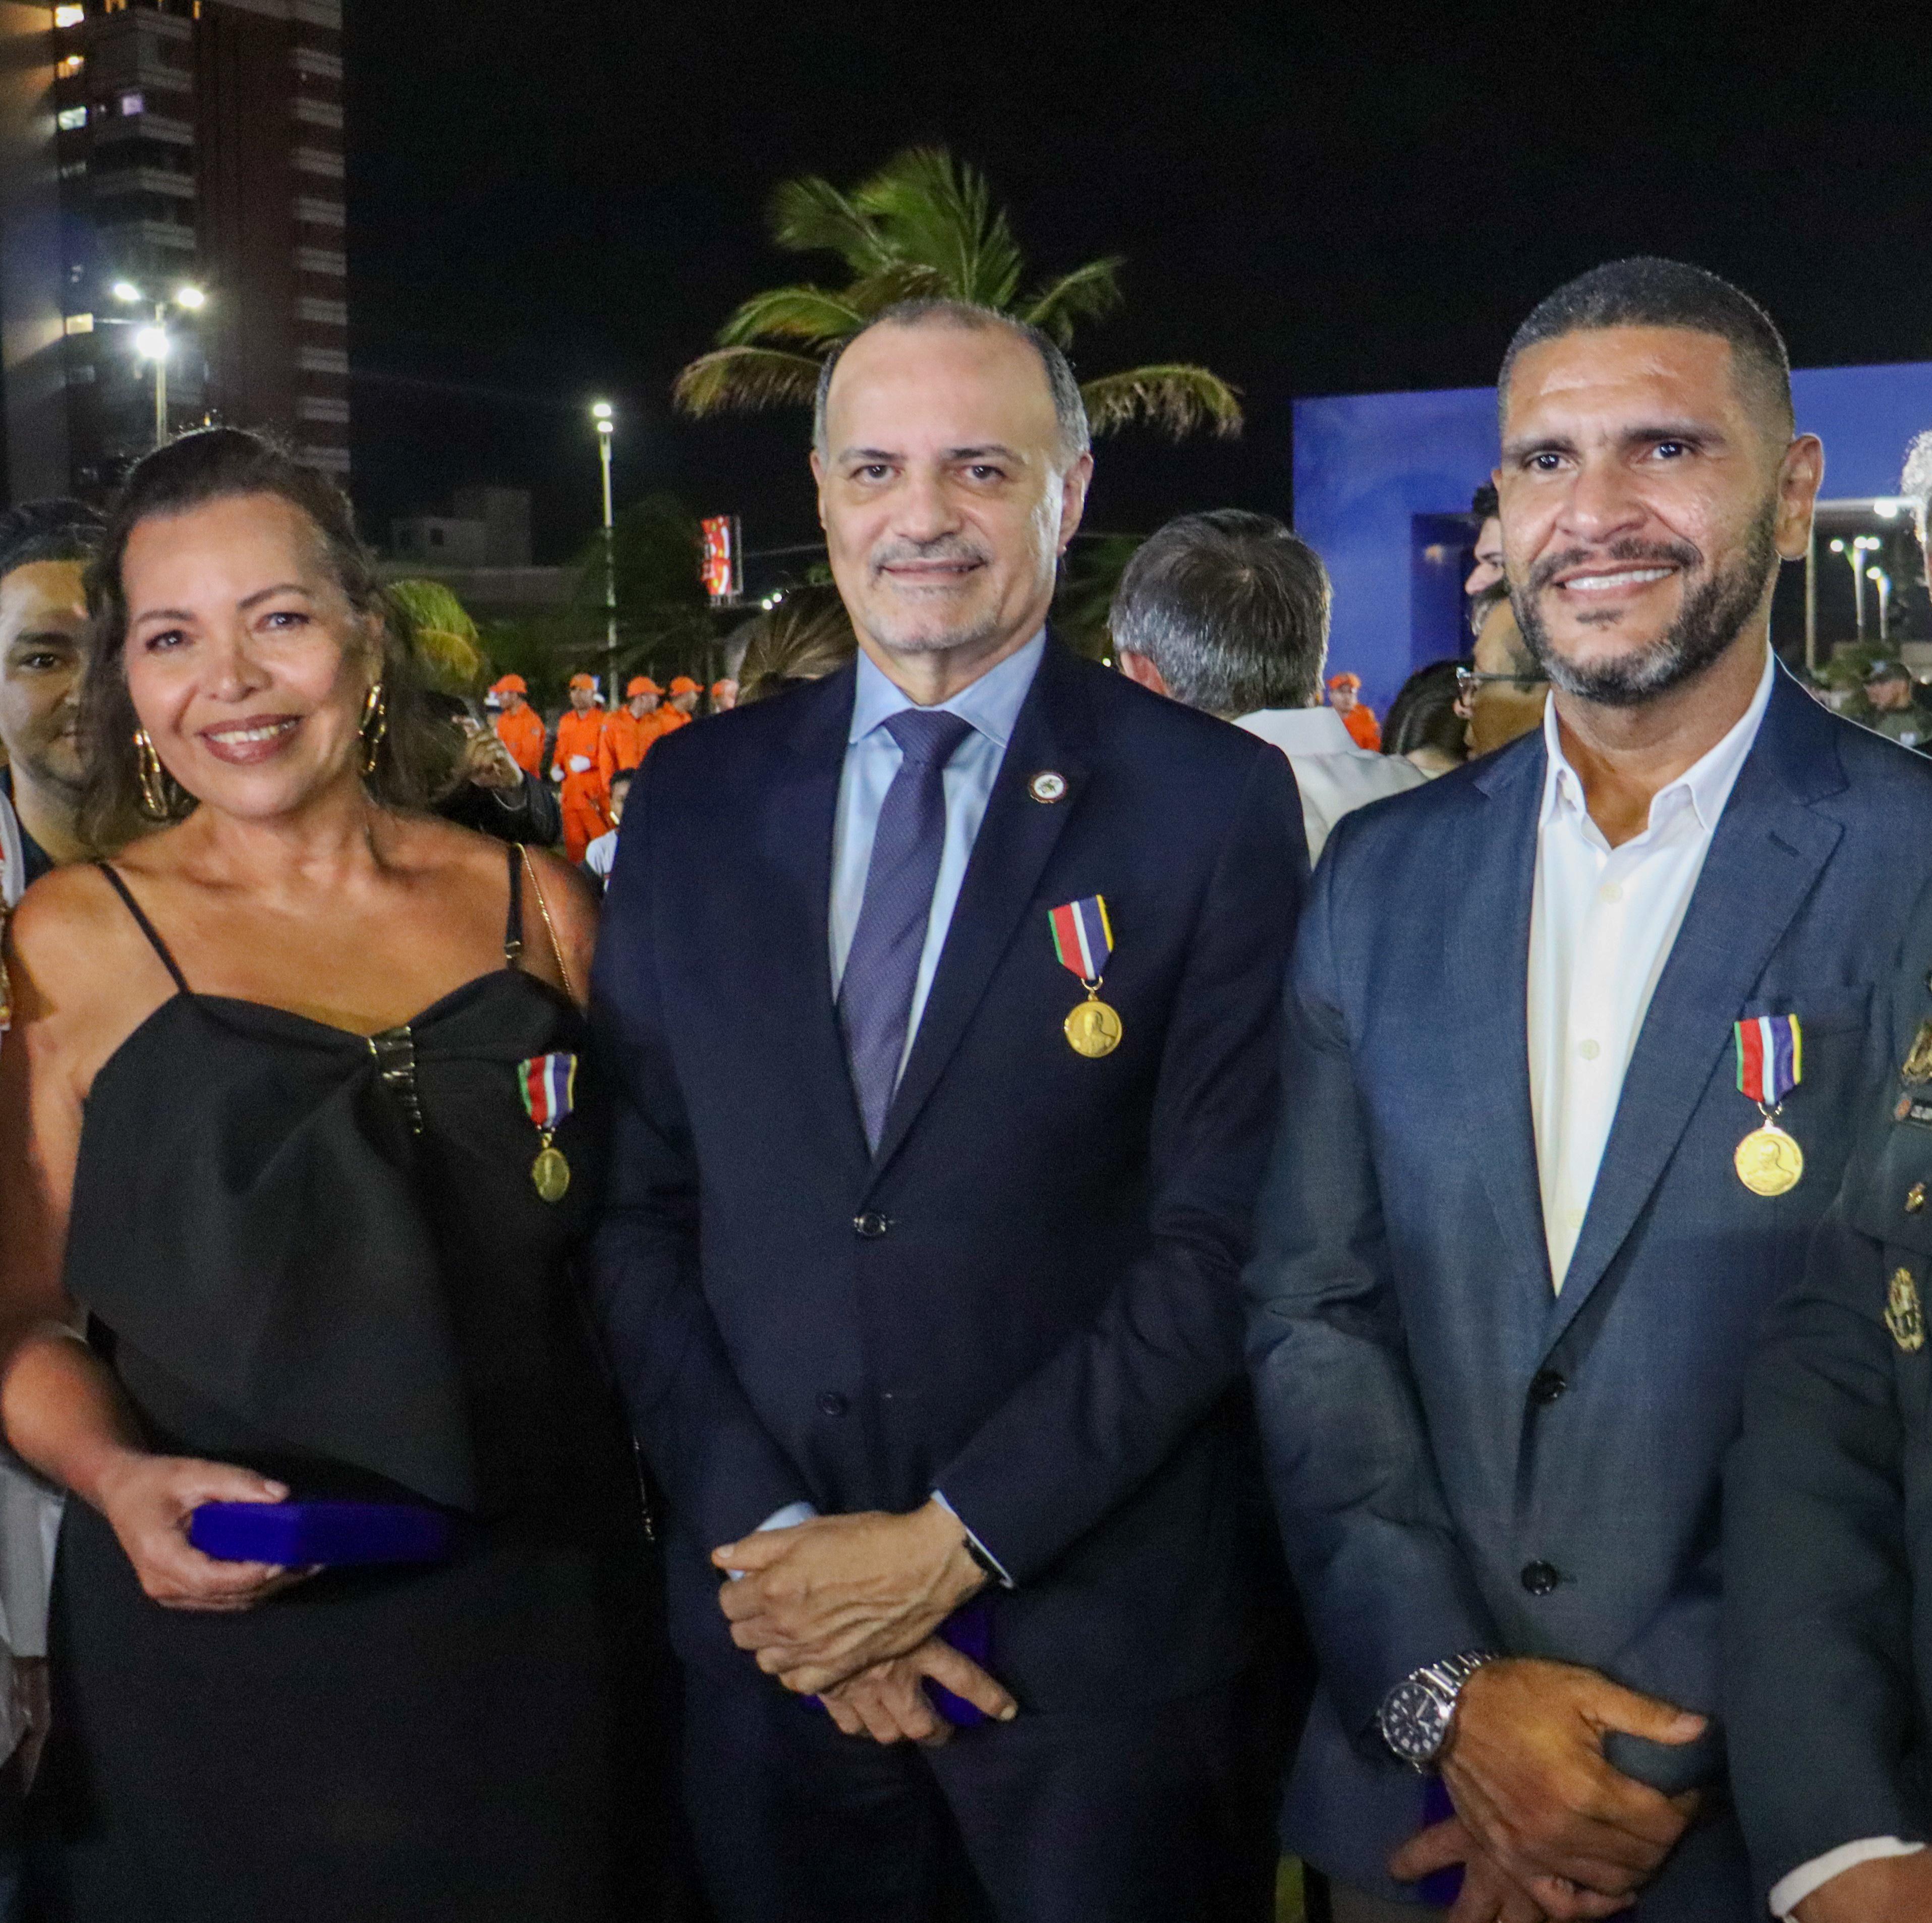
column 555, row 200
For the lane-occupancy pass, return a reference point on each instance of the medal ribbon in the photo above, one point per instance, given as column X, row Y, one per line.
column 549, row 1084
column 1083, row 938
column 1771, row 1059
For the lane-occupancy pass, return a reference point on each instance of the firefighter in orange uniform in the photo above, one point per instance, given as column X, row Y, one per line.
column 631, row 730
column 676, row 711
column 579, row 734
column 1345, row 696
column 519, row 727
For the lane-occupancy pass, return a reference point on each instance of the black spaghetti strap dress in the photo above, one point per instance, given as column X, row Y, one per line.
column 322, row 1255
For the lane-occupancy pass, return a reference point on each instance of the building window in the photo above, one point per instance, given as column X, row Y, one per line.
column 69, row 68
column 69, row 119
column 80, row 323
column 69, row 17
column 133, row 103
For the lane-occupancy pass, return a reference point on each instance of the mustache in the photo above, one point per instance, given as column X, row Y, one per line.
column 946, row 547
column 1680, row 552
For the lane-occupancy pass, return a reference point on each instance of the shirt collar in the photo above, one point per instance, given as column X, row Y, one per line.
column 1706, row 783
column 992, row 704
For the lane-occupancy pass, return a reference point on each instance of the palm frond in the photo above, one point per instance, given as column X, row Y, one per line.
column 1088, row 293
column 809, row 215
column 938, row 211
column 810, row 314
column 738, row 380
column 1175, row 398
column 441, row 632
column 902, row 280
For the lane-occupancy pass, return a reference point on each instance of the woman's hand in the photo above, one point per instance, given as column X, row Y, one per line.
column 148, row 1500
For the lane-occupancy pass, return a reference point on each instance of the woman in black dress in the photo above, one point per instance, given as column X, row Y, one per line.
column 264, row 1135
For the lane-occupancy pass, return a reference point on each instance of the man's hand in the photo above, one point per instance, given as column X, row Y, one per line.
column 1488, row 1895
column 887, row 1703
column 1890, row 1889
column 837, row 1594
column 1525, row 1769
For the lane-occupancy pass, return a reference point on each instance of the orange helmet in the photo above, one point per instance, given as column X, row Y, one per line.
column 684, row 685
column 510, row 684
column 583, row 681
column 641, row 684
column 1345, row 679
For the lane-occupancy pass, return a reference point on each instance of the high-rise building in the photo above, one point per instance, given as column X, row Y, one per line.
column 171, row 230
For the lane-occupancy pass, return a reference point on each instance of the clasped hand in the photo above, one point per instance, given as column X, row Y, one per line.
column 845, row 1607
column 1545, row 1826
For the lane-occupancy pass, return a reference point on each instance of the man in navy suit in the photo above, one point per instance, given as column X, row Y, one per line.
column 1575, row 1041
column 942, row 1000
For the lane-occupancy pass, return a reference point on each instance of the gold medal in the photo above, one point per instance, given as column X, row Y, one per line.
column 550, row 1173
column 1917, row 1066
column 1093, row 1029
column 1768, row 1162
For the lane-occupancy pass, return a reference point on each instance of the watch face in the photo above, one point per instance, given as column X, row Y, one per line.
column 1413, row 1721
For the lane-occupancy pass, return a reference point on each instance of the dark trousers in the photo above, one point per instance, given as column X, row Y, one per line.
column 1159, row 1814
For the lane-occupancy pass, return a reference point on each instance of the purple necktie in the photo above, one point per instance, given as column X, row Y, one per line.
column 882, row 970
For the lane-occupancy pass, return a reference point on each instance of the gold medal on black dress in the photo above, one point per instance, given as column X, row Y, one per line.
column 1083, row 938
column 549, row 1084
column 1771, row 1064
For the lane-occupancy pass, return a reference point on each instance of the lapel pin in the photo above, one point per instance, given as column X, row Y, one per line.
column 1047, row 786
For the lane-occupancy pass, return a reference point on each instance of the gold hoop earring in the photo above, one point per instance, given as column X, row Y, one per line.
column 154, row 800
column 375, row 725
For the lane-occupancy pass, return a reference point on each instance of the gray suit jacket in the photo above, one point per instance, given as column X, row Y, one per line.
column 1460, row 1458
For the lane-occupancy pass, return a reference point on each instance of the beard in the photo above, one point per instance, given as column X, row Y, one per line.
column 907, row 633
column 1710, row 620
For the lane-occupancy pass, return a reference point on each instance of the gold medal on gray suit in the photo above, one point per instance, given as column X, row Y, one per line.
column 1769, row 1160
column 1902, row 1315
column 1769, row 1163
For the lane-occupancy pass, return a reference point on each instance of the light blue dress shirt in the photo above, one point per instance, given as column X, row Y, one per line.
column 992, row 705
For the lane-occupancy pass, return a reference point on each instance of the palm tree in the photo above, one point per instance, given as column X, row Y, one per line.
column 925, row 227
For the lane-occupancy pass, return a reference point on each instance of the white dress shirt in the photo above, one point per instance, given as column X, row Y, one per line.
column 1333, row 773
column 1602, row 923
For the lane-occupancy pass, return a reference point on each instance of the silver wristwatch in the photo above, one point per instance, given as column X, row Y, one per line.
column 1415, row 1715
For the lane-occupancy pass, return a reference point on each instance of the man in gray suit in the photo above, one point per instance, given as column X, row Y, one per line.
column 1577, row 1036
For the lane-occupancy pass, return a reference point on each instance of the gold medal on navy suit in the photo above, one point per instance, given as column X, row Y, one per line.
column 1916, row 1068
column 1903, row 1314
column 1083, row 938
column 549, row 1084
column 1771, row 1064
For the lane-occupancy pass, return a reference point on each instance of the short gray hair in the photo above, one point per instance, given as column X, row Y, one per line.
column 1068, row 410
column 1232, row 609
column 1915, row 482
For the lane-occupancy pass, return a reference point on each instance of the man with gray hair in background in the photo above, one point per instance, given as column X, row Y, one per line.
column 1228, row 612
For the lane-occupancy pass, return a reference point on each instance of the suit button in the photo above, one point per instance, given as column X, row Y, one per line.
column 1541, row 1578
column 872, row 1224
column 832, row 1403
column 1546, row 1386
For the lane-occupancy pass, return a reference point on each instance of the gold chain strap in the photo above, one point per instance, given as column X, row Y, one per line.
column 550, row 927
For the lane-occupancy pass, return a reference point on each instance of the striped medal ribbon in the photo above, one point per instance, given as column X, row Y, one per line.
column 1083, row 938
column 549, row 1085
column 1771, row 1064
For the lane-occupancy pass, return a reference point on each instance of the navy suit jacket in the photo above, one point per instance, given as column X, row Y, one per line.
column 1439, row 1424
column 1029, row 1298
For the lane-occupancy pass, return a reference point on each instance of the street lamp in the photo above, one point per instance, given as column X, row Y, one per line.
column 1855, row 551
column 604, row 415
column 154, row 343
column 1882, row 582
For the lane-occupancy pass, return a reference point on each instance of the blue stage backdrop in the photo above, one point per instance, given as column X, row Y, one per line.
column 1382, row 484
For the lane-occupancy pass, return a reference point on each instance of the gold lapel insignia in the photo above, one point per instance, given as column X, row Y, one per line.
column 1903, row 1314
column 1917, row 1066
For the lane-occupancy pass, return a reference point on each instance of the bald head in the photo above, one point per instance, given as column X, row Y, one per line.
column 1063, row 390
